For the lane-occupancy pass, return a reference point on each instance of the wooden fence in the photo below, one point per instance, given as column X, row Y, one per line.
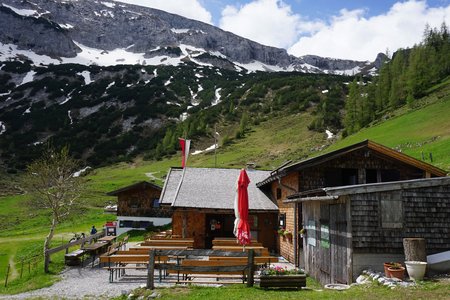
column 81, row 241
column 25, row 266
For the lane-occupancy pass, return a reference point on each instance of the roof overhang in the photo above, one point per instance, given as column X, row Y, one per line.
column 386, row 151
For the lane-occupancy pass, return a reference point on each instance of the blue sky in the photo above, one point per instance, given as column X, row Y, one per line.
column 349, row 29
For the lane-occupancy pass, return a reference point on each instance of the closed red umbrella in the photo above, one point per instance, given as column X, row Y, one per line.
column 241, row 226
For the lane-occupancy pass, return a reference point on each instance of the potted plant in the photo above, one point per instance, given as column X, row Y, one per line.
column 281, row 277
column 302, row 232
column 386, row 266
column 416, row 269
column 288, row 235
column 397, row 271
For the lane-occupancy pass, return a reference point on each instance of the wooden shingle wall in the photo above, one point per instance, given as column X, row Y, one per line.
column 139, row 203
column 425, row 213
column 314, row 177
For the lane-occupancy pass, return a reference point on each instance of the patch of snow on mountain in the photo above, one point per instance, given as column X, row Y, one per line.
column 259, row 66
column 66, row 26
column 350, row 72
column 27, row 111
column 2, row 128
column 200, row 88
column 70, row 117
column 78, row 173
column 178, row 31
column 129, row 85
column 5, row 94
column 217, row 53
column 66, row 100
column 114, row 57
column 10, row 51
column 324, row 91
column 155, row 73
column 216, row 97
column 168, row 81
column 87, row 77
column 184, row 116
column 110, row 85
column 329, row 134
column 210, row 148
column 173, row 103
column 198, row 75
column 29, row 77
column 108, row 4
column 22, row 12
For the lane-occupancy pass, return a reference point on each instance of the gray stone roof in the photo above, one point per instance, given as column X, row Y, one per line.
column 213, row 188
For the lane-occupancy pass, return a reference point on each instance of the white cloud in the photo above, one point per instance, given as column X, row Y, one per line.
column 269, row 22
column 191, row 9
column 353, row 36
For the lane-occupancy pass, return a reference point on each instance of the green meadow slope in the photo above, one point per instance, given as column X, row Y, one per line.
column 424, row 129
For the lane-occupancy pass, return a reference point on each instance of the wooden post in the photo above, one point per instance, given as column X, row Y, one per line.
column 46, row 261
column 415, row 249
column 250, row 267
column 151, row 271
column 21, row 270
column 7, row 273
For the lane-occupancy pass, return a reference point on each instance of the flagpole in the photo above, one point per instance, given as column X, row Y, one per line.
column 215, row 145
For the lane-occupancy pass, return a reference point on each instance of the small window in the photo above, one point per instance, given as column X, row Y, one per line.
column 371, row 176
column 391, row 210
column 390, row 175
column 282, row 220
column 155, row 202
column 278, row 193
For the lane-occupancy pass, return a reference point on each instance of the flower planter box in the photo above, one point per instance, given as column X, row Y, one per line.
column 283, row 281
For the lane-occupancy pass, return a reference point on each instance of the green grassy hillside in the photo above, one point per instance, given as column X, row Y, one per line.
column 425, row 129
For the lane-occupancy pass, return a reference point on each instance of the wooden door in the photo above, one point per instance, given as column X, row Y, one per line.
column 338, row 241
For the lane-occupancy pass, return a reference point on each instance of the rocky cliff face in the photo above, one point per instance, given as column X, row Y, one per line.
column 108, row 33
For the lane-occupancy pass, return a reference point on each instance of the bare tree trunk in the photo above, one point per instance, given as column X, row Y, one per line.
column 47, row 242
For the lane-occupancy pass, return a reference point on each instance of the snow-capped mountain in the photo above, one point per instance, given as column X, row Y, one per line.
column 110, row 33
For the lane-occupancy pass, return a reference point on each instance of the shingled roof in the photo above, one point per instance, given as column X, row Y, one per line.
column 138, row 185
column 211, row 188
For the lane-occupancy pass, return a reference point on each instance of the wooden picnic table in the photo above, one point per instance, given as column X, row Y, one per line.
column 160, row 248
column 96, row 249
column 107, row 238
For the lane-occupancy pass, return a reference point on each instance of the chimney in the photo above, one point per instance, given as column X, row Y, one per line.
column 250, row 166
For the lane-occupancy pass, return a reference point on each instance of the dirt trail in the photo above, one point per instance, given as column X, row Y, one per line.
column 12, row 271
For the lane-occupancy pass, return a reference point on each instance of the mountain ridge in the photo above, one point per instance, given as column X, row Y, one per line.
column 66, row 30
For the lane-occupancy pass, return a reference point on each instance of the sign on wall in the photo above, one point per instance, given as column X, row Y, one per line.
column 311, row 232
column 325, row 236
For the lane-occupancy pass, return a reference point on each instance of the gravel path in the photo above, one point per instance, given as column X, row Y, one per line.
column 86, row 283
column 93, row 283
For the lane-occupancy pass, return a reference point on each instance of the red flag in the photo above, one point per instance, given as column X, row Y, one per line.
column 185, row 145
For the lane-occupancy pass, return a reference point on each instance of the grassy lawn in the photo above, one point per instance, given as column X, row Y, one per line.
column 424, row 290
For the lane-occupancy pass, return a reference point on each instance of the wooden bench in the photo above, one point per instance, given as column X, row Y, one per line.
column 74, row 258
column 169, row 242
column 209, row 268
column 232, row 242
column 118, row 263
column 260, row 250
column 259, row 260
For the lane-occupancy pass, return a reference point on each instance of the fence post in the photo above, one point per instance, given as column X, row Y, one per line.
column 21, row 270
column 7, row 274
column 250, row 268
column 46, row 261
column 151, row 271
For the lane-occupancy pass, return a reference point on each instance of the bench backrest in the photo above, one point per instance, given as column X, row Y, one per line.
column 257, row 260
